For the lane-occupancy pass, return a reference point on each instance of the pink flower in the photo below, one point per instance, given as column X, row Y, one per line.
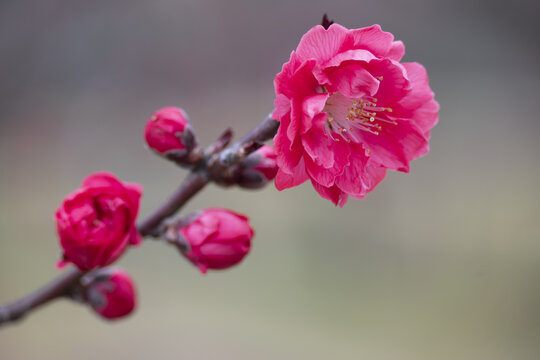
column 96, row 222
column 168, row 130
column 111, row 293
column 258, row 168
column 217, row 239
column 349, row 110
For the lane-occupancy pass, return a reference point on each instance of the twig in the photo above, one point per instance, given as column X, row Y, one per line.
column 152, row 225
column 250, row 142
column 190, row 186
column 56, row 288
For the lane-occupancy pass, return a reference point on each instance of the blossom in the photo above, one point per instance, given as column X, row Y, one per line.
column 97, row 222
column 110, row 293
column 258, row 168
column 349, row 110
column 168, row 130
column 216, row 238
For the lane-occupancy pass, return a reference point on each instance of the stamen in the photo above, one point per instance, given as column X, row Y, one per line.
column 347, row 118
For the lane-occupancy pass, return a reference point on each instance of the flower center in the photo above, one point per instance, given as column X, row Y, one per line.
column 348, row 118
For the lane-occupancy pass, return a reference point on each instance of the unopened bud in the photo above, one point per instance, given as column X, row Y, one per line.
column 214, row 238
column 110, row 292
column 169, row 133
column 258, row 168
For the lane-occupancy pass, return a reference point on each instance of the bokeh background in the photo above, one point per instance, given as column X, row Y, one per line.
column 442, row 263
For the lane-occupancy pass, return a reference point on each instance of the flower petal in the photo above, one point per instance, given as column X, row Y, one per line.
column 311, row 107
column 284, row 180
column 352, row 80
column 333, row 193
column 396, row 145
column 288, row 153
column 372, row 38
column 101, row 179
column 321, row 44
column 419, row 104
column 296, row 78
column 397, row 50
column 360, row 176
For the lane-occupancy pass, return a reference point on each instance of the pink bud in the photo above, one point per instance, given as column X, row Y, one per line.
column 168, row 130
column 110, row 292
column 258, row 168
column 96, row 222
column 216, row 239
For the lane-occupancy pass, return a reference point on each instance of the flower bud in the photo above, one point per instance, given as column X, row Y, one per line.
column 96, row 222
column 169, row 133
column 258, row 168
column 110, row 292
column 213, row 238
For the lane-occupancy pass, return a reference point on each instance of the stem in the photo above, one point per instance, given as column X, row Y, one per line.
column 152, row 224
column 56, row 288
column 250, row 142
column 189, row 187
column 149, row 226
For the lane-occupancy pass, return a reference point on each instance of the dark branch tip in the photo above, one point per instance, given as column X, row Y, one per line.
column 326, row 22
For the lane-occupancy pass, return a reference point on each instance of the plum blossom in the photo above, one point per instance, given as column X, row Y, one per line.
column 96, row 222
column 349, row 110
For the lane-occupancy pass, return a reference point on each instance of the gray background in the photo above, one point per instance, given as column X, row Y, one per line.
column 442, row 263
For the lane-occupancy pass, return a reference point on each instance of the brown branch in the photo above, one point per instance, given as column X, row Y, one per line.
column 195, row 182
column 250, row 142
column 56, row 288
column 152, row 225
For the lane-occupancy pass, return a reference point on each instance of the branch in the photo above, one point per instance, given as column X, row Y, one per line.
column 152, row 225
column 253, row 140
column 194, row 183
column 56, row 288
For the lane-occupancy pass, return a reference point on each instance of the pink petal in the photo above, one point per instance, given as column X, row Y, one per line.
column 350, row 55
column 333, row 193
column 321, row 175
column 296, row 78
column 288, row 153
column 419, row 104
column 396, row 145
column 352, row 80
column 397, row 50
column 321, row 44
column 282, row 106
column 311, row 107
column 134, row 238
column 372, row 38
column 134, row 193
column 101, row 179
column 294, row 125
column 360, row 177
column 319, row 148
column 284, row 181
column 394, row 84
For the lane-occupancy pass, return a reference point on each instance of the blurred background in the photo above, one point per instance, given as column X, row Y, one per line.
column 442, row 263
